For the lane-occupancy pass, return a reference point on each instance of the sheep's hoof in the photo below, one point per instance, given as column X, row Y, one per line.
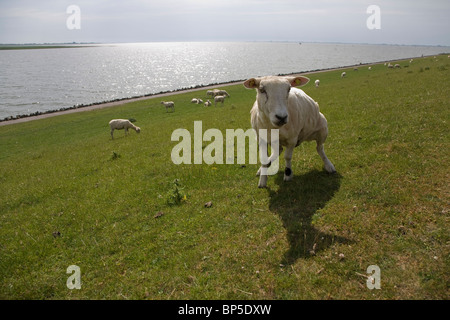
column 330, row 169
column 288, row 178
column 262, row 182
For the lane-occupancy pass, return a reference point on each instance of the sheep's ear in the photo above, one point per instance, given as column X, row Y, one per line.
column 252, row 83
column 298, row 81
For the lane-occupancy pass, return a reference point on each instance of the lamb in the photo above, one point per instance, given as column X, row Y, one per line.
column 343, row 74
column 218, row 99
column 208, row 103
column 317, row 82
column 293, row 112
column 119, row 124
column 169, row 105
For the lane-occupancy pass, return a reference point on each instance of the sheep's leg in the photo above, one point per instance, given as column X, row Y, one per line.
column 262, row 172
column 112, row 133
column 126, row 131
column 327, row 163
column 287, row 158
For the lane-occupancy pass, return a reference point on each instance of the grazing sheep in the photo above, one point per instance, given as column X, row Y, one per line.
column 218, row 99
column 397, row 66
column 119, row 124
column 317, row 82
column 390, row 66
column 208, row 103
column 221, row 93
column 169, row 105
column 370, row 68
column 293, row 112
column 343, row 74
column 217, row 92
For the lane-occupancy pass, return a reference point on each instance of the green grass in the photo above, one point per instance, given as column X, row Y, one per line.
column 72, row 196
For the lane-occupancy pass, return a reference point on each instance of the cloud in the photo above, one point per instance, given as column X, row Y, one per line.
column 206, row 20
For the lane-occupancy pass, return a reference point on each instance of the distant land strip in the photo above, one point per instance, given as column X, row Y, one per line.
column 40, row 46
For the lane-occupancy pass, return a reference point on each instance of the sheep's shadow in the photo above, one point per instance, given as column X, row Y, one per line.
column 296, row 202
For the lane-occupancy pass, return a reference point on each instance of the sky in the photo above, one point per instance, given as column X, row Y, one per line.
column 407, row 22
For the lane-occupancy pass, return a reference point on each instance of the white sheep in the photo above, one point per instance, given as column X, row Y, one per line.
column 119, row 124
column 169, row 105
column 221, row 93
column 210, row 93
column 218, row 99
column 370, row 68
column 390, row 66
column 208, row 103
column 397, row 66
column 197, row 101
column 293, row 112
column 343, row 74
column 317, row 82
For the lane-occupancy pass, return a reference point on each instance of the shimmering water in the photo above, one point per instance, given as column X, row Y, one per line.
column 49, row 79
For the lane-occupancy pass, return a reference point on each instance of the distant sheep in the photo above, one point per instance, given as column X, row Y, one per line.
column 397, row 66
column 197, row 101
column 207, row 103
column 370, row 68
column 221, row 93
column 218, row 99
column 217, row 92
column 295, row 114
column 169, row 105
column 317, row 82
column 390, row 66
column 119, row 124
column 343, row 74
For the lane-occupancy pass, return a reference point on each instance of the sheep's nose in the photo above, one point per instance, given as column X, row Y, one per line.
column 283, row 119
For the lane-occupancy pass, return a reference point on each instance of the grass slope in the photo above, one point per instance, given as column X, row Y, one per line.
column 72, row 196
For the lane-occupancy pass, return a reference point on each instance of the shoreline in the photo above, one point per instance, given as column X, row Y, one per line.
column 120, row 101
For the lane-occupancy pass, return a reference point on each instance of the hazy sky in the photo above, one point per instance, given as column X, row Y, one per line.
column 401, row 21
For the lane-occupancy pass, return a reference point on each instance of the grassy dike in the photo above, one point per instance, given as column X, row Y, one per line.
column 72, row 196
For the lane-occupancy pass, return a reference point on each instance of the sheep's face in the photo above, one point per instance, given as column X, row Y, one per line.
column 272, row 96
